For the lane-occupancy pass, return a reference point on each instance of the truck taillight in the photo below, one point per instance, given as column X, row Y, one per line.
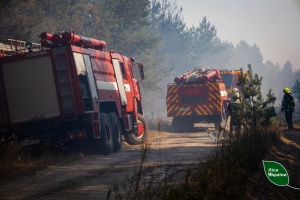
column 74, row 135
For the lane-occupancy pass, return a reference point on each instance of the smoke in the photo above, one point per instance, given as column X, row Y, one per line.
column 240, row 56
column 182, row 51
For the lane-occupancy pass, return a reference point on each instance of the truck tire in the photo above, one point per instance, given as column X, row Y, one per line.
column 116, row 130
column 134, row 138
column 106, row 140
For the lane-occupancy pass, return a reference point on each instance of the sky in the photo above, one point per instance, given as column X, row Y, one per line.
column 273, row 25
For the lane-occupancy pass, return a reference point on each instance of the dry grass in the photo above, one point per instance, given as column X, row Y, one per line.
column 286, row 153
column 222, row 174
column 17, row 161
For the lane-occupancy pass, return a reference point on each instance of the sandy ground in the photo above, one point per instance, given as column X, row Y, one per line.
column 92, row 176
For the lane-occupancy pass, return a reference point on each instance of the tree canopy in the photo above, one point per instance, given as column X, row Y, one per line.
column 154, row 32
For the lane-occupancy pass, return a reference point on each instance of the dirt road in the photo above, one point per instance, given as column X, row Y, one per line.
column 93, row 176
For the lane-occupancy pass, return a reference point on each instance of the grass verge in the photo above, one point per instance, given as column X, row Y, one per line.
column 17, row 161
column 222, row 174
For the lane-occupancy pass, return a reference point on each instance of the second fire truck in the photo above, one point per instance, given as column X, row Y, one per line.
column 198, row 95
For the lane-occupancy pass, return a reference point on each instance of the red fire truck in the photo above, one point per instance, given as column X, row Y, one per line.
column 196, row 96
column 69, row 88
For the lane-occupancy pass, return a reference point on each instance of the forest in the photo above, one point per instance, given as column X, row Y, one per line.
column 154, row 33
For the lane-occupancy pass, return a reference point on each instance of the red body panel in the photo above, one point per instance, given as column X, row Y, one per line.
column 107, row 73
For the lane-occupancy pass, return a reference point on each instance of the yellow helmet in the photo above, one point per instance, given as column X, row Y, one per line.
column 235, row 95
column 286, row 91
column 235, row 90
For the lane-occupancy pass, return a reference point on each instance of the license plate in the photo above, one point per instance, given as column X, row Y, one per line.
column 30, row 142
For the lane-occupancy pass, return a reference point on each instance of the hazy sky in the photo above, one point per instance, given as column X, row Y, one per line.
column 273, row 25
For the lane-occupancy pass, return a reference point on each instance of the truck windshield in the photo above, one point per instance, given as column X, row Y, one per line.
column 228, row 80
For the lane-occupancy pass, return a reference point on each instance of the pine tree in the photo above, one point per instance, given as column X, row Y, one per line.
column 296, row 90
column 257, row 110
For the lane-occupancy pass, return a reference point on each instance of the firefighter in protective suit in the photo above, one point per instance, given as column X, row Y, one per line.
column 235, row 111
column 287, row 106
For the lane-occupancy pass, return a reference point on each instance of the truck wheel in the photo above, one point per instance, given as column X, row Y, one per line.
column 141, row 136
column 117, row 131
column 106, row 141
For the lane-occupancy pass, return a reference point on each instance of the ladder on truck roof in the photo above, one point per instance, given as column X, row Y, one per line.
column 12, row 46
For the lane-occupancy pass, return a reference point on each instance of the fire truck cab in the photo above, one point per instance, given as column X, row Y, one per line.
column 230, row 78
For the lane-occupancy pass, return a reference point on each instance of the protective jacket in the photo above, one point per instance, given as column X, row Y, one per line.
column 234, row 108
column 287, row 103
column 235, row 111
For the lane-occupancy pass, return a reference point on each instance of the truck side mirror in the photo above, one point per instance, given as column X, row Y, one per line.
column 141, row 67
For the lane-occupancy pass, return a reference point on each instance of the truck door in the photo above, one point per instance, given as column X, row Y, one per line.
column 120, row 82
column 86, row 79
column 90, row 74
